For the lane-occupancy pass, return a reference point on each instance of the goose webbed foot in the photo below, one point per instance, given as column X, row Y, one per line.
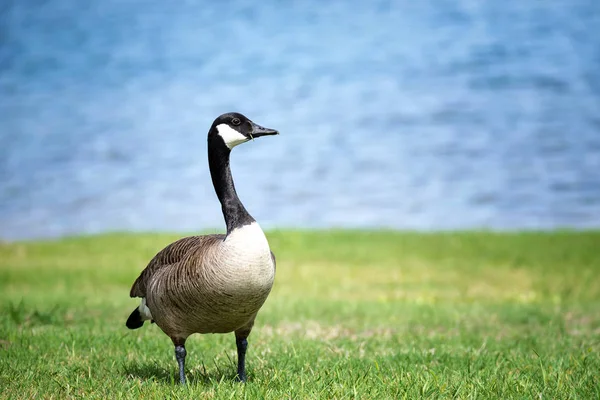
column 180, row 354
column 242, row 345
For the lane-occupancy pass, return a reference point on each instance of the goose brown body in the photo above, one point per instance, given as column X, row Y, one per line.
column 201, row 284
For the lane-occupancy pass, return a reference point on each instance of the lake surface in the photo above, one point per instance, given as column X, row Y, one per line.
column 410, row 115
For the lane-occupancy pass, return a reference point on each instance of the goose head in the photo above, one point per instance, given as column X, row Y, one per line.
column 235, row 128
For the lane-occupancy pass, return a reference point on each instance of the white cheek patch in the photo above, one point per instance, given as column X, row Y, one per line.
column 231, row 137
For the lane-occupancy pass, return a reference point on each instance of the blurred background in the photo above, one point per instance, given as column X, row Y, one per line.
column 424, row 115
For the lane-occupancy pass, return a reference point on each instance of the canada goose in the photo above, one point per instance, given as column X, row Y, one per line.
column 211, row 283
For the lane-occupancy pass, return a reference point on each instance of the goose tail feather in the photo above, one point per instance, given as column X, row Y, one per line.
column 135, row 320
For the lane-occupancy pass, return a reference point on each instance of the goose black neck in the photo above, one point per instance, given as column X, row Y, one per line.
column 234, row 212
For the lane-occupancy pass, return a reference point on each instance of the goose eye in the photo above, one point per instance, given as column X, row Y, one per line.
column 236, row 121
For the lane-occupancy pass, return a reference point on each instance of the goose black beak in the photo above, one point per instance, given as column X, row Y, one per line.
column 258, row 131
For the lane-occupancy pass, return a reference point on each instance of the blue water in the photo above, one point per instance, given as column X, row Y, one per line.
column 412, row 115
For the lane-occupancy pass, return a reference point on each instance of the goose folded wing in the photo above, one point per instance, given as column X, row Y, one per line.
column 173, row 253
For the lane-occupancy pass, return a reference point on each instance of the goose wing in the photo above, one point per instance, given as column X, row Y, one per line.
column 173, row 253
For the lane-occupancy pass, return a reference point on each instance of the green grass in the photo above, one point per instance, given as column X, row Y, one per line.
column 370, row 315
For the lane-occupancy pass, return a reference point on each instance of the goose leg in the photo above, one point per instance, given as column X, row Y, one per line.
column 180, row 354
column 242, row 345
column 241, row 342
